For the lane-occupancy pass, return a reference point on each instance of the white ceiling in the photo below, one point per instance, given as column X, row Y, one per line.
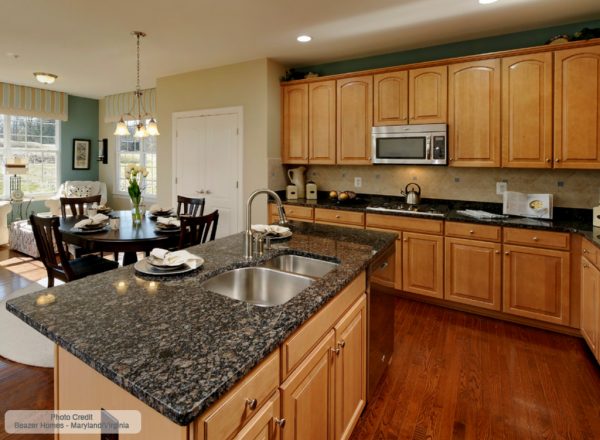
column 87, row 43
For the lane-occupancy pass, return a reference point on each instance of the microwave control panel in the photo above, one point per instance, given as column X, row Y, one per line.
column 439, row 147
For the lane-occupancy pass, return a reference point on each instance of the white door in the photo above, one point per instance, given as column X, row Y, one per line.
column 208, row 163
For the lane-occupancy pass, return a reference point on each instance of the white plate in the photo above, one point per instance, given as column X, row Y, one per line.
column 286, row 234
column 90, row 231
column 155, row 262
column 146, row 268
column 167, row 231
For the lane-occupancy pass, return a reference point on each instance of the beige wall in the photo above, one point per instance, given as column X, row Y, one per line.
column 580, row 189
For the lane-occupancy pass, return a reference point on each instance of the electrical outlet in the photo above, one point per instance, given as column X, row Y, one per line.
column 501, row 188
column 357, row 182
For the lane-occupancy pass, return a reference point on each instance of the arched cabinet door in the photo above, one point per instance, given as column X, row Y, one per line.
column 354, row 120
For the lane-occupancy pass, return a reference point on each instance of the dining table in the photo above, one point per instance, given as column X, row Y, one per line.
column 129, row 238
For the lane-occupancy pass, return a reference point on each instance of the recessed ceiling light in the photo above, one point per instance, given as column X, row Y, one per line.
column 487, row 2
column 304, row 38
column 45, row 78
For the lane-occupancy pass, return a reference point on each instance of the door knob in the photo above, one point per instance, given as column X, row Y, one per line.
column 200, row 192
column 208, row 191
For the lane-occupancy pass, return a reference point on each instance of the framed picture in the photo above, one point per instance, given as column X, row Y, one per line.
column 81, row 154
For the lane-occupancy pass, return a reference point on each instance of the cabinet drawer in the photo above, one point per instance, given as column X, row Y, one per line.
column 537, row 238
column 411, row 224
column 293, row 212
column 296, row 347
column 472, row 230
column 232, row 412
column 589, row 251
column 339, row 216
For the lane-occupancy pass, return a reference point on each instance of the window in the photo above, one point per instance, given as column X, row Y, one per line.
column 137, row 151
column 38, row 141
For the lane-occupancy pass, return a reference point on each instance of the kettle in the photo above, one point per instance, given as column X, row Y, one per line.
column 296, row 176
column 413, row 197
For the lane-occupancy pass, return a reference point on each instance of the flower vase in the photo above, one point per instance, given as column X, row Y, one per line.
column 136, row 213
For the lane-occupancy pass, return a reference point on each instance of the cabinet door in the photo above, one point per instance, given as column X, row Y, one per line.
column 295, row 124
column 536, row 283
column 473, row 272
column 577, row 108
column 390, row 98
column 385, row 273
column 428, row 95
column 590, row 304
column 527, row 111
column 423, row 264
column 321, row 123
column 351, row 368
column 265, row 425
column 354, row 120
column 308, row 395
column 474, row 114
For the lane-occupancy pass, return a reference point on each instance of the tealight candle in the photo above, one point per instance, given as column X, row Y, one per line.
column 45, row 299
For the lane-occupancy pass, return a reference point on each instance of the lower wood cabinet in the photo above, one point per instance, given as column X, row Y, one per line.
column 536, row 283
column 590, row 305
column 423, row 264
column 266, row 424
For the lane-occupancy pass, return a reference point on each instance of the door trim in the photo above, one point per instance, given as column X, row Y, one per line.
column 239, row 111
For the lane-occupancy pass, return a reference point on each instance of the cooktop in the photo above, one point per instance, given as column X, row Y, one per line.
column 403, row 208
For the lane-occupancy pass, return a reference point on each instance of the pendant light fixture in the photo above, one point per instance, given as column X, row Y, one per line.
column 141, row 130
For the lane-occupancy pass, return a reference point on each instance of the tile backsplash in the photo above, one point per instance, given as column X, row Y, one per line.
column 571, row 188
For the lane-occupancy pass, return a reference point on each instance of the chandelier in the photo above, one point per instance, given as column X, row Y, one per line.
column 141, row 130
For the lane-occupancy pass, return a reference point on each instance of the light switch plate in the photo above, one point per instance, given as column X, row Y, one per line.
column 357, row 182
column 501, row 188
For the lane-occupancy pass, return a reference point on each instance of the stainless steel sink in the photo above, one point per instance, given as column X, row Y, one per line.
column 311, row 267
column 260, row 286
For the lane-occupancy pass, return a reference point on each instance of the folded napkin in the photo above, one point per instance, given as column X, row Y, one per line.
column 157, row 208
column 168, row 221
column 270, row 229
column 94, row 220
column 176, row 258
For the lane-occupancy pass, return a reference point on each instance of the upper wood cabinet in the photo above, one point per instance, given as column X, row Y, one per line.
column 294, row 147
column 354, row 120
column 390, row 98
column 527, row 111
column 474, row 114
column 428, row 95
column 577, row 108
column 321, row 122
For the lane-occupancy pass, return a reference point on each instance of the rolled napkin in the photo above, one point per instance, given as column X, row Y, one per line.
column 176, row 258
column 157, row 208
column 168, row 221
column 270, row 229
column 94, row 220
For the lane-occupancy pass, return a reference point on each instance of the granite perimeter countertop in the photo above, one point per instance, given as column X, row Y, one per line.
column 176, row 346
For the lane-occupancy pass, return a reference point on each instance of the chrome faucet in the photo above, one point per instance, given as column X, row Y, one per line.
column 249, row 238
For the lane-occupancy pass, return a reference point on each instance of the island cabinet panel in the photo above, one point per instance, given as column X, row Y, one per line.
column 428, row 95
column 354, row 120
column 423, row 264
column 350, row 368
column 321, row 123
column 385, row 273
column 536, row 283
column 473, row 273
column 307, row 396
column 390, row 98
column 577, row 108
column 265, row 425
column 474, row 114
column 527, row 111
column 590, row 306
column 78, row 387
column 294, row 148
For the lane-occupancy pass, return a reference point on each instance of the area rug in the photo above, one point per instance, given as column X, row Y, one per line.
column 21, row 343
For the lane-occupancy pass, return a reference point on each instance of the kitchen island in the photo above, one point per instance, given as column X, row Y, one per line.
column 177, row 347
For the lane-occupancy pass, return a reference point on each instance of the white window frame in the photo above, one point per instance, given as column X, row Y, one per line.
column 7, row 152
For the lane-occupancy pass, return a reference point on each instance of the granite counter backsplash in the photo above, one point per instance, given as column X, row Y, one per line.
column 178, row 347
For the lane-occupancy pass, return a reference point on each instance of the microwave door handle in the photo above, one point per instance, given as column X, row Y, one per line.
column 428, row 154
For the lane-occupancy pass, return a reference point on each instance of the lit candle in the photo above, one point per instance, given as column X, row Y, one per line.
column 45, row 299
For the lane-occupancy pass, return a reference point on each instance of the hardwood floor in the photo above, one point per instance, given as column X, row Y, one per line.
column 460, row 376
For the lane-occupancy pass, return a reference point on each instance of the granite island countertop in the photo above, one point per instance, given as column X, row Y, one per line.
column 178, row 347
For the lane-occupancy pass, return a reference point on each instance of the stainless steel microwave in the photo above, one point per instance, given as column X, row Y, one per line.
column 425, row 144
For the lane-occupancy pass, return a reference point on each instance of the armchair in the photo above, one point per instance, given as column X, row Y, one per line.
column 77, row 188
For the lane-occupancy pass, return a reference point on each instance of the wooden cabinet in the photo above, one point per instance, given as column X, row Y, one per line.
column 577, row 108
column 321, row 123
column 390, row 98
column 536, row 283
column 527, row 111
column 428, row 95
column 354, row 120
column 384, row 274
column 590, row 305
column 474, row 114
column 292, row 212
column 294, row 147
column 266, row 424
column 353, row 219
column 423, row 264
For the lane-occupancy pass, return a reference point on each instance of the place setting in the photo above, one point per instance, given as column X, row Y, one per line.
column 167, row 225
column 163, row 262
column 273, row 232
column 157, row 211
column 94, row 224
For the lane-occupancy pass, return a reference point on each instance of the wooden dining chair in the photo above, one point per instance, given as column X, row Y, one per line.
column 196, row 230
column 77, row 204
column 190, row 206
column 48, row 239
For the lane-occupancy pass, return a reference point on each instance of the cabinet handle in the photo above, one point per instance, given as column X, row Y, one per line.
column 251, row 404
column 506, row 253
column 535, row 239
column 471, row 231
column 585, row 266
column 280, row 422
column 335, row 350
column 383, row 266
column 585, row 251
column 341, row 344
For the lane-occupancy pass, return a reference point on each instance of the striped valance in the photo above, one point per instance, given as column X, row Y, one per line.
column 116, row 106
column 29, row 101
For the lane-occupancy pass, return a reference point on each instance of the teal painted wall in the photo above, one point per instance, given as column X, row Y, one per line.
column 491, row 44
column 82, row 124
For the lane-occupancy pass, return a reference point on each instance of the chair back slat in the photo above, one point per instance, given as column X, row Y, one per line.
column 77, row 204
column 190, row 206
column 197, row 230
column 49, row 240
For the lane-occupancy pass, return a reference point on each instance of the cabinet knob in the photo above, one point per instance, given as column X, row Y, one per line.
column 497, row 252
column 335, row 350
column 280, row 422
column 251, row 404
column 207, row 191
column 556, row 160
column 535, row 239
column 341, row 344
column 337, row 216
column 406, row 239
column 506, row 253
column 585, row 266
column 471, row 231
column 585, row 251
column 548, row 160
